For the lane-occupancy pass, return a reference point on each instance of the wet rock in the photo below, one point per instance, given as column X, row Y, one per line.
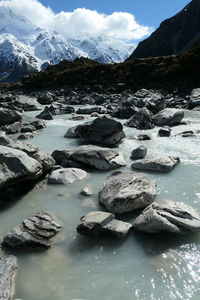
column 66, row 176
column 13, row 128
column 123, row 112
column 103, row 131
column 143, row 137
column 168, row 117
column 45, row 114
column 72, row 132
column 77, row 118
column 16, row 166
column 156, row 163
column 27, row 104
column 126, row 191
column 8, row 270
column 27, row 128
column 86, row 191
column 34, row 232
column 97, row 223
column 25, row 136
column 38, row 124
column 139, row 152
column 155, row 103
column 164, row 131
column 194, row 99
column 141, row 120
column 60, row 109
column 8, row 116
column 188, row 133
column 167, row 215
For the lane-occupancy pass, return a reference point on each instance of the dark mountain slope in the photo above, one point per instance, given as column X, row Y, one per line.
column 175, row 35
column 180, row 70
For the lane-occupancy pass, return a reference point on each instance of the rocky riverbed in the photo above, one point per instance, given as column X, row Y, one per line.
column 151, row 143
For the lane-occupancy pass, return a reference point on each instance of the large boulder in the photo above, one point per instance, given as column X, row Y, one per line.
column 16, row 166
column 90, row 157
column 34, row 232
column 141, row 120
column 8, row 270
column 168, row 117
column 98, row 158
column 156, row 163
column 126, row 191
column 167, row 215
column 102, row 131
column 96, row 223
column 8, row 116
column 66, row 176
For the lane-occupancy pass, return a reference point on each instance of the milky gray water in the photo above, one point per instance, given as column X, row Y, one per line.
column 141, row 267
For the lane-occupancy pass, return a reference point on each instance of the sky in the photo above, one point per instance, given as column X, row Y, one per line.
column 147, row 12
column 129, row 20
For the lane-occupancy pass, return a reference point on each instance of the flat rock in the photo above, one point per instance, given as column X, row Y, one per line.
column 8, row 270
column 66, row 176
column 168, row 117
column 127, row 191
column 97, row 223
column 167, row 215
column 97, row 157
column 156, row 163
column 34, row 232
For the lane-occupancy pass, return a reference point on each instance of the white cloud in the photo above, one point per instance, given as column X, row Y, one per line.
column 81, row 21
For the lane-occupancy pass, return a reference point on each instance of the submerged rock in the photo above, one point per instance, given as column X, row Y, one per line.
column 96, row 223
column 8, row 270
column 167, row 215
column 156, row 163
column 86, row 191
column 169, row 117
column 34, row 232
column 126, row 191
column 103, row 131
column 66, row 176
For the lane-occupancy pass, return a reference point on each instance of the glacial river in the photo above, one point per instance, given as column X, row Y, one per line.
column 141, row 267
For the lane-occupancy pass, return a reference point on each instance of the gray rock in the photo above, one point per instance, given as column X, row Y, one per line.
column 45, row 114
column 167, row 215
column 127, row 191
column 141, row 120
column 16, row 166
column 45, row 98
column 103, row 131
column 139, row 152
column 169, row 117
column 8, row 116
column 45, row 159
column 34, row 232
column 164, row 131
column 66, row 176
column 156, row 163
column 8, row 270
column 18, row 145
column 86, row 191
column 25, row 136
column 72, row 132
column 88, row 110
column 97, row 223
column 12, row 128
column 97, row 157
column 38, row 124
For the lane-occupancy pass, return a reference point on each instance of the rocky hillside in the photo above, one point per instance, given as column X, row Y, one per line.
column 180, row 70
column 175, row 35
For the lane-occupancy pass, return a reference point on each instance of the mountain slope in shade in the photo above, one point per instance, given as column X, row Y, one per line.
column 175, row 35
column 25, row 48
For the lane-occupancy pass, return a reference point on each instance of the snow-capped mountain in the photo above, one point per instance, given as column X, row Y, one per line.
column 25, row 48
